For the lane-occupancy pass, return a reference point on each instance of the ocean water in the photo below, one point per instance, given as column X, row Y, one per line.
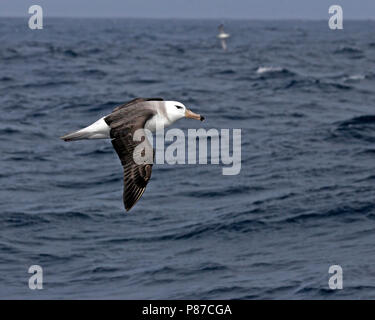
column 304, row 97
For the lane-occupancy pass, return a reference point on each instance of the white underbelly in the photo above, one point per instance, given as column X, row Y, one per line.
column 223, row 35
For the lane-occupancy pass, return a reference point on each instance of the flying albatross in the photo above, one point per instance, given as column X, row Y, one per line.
column 223, row 36
column 120, row 126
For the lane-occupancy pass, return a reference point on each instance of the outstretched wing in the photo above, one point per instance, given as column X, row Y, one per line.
column 136, row 162
column 135, row 101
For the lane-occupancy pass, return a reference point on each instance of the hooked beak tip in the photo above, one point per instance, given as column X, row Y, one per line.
column 190, row 114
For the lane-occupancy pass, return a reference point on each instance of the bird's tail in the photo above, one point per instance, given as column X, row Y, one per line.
column 76, row 135
column 98, row 130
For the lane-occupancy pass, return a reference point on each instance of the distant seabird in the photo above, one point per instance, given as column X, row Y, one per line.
column 120, row 126
column 222, row 36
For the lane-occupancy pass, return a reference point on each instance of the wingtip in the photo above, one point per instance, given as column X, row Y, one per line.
column 128, row 207
column 66, row 137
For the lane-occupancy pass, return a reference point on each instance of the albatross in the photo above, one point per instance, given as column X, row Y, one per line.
column 120, row 126
column 222, row 36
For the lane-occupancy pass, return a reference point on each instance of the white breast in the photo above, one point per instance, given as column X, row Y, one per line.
column 157, row 120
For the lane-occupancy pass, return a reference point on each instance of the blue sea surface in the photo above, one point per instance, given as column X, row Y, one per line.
column 304, row 97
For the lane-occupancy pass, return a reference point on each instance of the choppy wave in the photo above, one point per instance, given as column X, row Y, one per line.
column 273, row 70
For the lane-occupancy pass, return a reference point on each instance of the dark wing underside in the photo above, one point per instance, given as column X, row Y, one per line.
column 124, row 123
column 136, row 176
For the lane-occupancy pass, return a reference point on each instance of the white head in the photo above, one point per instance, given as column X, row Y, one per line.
column 176, row 110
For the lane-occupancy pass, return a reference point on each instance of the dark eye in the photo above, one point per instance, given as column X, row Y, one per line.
column 178, row 107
